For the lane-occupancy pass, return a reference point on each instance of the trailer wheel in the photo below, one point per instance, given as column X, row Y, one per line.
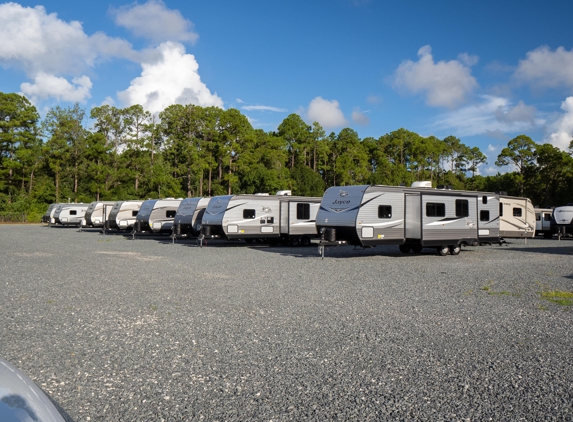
column 455, row 249
column 294, row 241
column 305, row 241
column 443, row 250
column 417, row 248
column 404, row 248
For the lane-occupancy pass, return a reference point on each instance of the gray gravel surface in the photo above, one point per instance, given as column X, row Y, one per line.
column 122, row 330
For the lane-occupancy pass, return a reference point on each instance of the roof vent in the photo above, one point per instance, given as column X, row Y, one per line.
column 422, row 184
column 284, row 192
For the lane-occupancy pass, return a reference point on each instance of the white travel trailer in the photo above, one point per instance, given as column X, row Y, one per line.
column 123, row 214
column 70, row 214
column 413, row 218
column 285, row 218
column 543, row 222
column 562, row 221
column 516, row 217
column 97, row 213
column 47, row 217
column 187, row 221
column 156, row 215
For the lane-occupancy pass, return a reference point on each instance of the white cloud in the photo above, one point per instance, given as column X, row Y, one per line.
column 263, row 108
column 493, row 115
column 446, row 84
column 547, row 69
column 373, row 99
column 174, row 79
column 468, row 59
column 154, row 21
column 40, row 42
column 50, row 86
column 562, row 128
column 359, row 117
column 325, row 112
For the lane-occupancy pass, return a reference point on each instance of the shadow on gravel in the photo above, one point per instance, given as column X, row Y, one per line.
column 558, row 250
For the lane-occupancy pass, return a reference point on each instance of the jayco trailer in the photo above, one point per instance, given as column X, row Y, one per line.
column 98, row 213
column 157, row 215
column 284, row 218
column 543, row 222
column 412, row 218
column 562, row 221
column 516, row 217
column 70, row 214
column 189, row 215
column 123, row 214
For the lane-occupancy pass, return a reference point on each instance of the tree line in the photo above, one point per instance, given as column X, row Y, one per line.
column 188, row 150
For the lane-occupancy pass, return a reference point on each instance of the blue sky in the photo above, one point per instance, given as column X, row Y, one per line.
column 482, row 71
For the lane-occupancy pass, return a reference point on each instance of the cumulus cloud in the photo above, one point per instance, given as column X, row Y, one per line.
column 41, row 42
column 561, row 129
column 174, row 79
column 545, row 68
column 445, row 84
column 50, row 86
column 359, row 117
column 492, row 115
column 263, row 108
column 373, row 99
column 154, row 21
column 326, row 112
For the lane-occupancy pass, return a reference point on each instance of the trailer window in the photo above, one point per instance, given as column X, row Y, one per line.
column 546, row 217
column 435, row 210
column 170, row 214
column 303, row 211
column 384, row 211
column 537, row 216
column 501, row 209
column 249, row 214
column 73, row 212
column 484, row 199
column 134, row 213
column 270, row 220
column 462, row 208
column 517, row 212
column 484, row 215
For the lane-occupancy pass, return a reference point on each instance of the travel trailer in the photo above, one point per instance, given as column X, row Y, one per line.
column 261, row 217
column 412, row 218
column 562, row 221
column 70, row 214
column 516, row 217
column 47, row 217
column 97, row 213
column 187, row 221
column 156, row 215
column 123, row 214
column 543, row 222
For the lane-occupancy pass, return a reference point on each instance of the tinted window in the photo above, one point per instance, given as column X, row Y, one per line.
column 537, row 217
column 384, row 211
column 170, row 214
column 462, row 208
column 249, row 213
column 546, row 217
column 500, row 209
column 435, row 210
column 484, row 215
column 484, row 199
column 303, row 211
column 73, row 212
column 134, row 213
column 517, row 212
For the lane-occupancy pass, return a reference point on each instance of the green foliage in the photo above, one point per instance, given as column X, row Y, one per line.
column 189, row 150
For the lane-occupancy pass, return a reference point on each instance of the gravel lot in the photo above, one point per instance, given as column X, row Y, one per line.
column 115, row 329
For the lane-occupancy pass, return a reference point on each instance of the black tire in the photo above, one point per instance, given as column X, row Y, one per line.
column 417, row 248
column 404, row 248
column 305, row 241
column 455, row 249
column 294, row 241
column 443, row 250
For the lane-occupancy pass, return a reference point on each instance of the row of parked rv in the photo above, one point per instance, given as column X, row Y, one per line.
column 413, row 217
